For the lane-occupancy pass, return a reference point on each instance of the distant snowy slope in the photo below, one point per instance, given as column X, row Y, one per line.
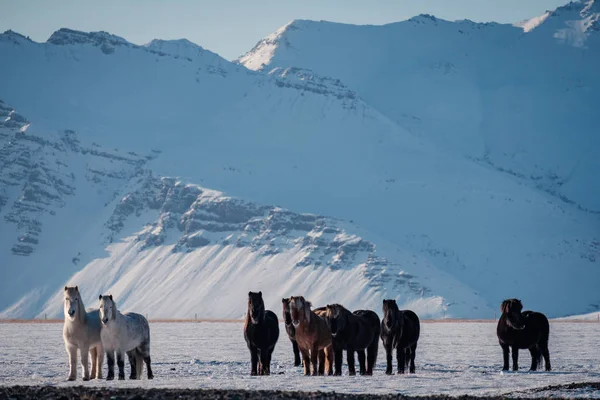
column 521, row 103
column 434, row 229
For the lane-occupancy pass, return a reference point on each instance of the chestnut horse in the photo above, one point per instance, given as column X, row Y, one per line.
column 523, row 330
column 312, row 336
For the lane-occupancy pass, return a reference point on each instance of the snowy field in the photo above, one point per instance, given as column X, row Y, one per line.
column 452, row 358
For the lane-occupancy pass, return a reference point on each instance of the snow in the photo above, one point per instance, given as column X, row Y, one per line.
column 452, row 359
column 466, row 184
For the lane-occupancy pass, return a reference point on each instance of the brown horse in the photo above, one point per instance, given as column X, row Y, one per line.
column 291, row 331
column 312, row 336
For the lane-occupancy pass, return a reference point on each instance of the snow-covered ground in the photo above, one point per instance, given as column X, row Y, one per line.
column 452, row 358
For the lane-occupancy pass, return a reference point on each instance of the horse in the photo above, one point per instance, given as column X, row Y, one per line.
column 356, row 332
column 124, row 333
column 523, row 330
column 291, row 331
column 261, row 332
column 312, row 336
column 400, row 329
column 82, row 331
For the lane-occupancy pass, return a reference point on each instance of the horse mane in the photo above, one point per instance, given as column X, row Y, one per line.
column 508, row 302
column 80, row 307
column 341, row 310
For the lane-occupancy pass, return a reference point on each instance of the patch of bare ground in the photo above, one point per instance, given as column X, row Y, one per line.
column 91, row 393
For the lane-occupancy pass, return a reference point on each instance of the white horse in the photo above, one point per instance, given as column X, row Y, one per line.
column 82, row 331
column 124, row 333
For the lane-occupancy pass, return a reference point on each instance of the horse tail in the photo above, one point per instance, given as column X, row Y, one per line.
column 139, row 364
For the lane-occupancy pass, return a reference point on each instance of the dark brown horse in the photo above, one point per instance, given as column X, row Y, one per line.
column 400, row 330
column 355, row 332
column 261, row 332
column 523, row 330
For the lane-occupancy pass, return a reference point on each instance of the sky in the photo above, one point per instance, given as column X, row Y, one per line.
column 232, row 27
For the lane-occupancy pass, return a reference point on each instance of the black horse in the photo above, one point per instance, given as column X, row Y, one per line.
column 291, row 331
column 261, row 332
column 354, row 332
column 523, row 330
column 399, row 330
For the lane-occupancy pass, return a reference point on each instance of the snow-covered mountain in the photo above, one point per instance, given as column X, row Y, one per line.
column 178, row 181
column 522, row 99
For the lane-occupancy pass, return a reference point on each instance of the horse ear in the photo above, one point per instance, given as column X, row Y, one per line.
column 65, row 288
column 307, row 312
column 100, row 297
column 394, row 300
column 283, row 300
column 309, row 304
column 77, row 288
column 110, row 296
column 260, row 294
column 249, row 294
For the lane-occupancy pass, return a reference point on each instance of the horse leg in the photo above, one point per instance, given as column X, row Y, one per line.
column 546, row 355
column 350, row 359
column 121, row 364
column 72, row 351
column 505, row 351
column 321, row 362
column 388, row 356
column 269, row 354
column 401, row 358
column 94, row 357
column 253, row 360
column 413, row 352
column 99, row 361
column 372, row 355
column 110, row 360
column 362, row 361
column 143, row 354
column 85, row 362
column 264, row 362
column 515, row 358
column 305, row 360
column 296, row 353
column 338, row 355
column 314, row 359
column 329, row 357
column 132, row 363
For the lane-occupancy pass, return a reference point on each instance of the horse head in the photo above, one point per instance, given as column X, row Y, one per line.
column 72, row 302
column 299, row 310
column 512, row 309
column 391, row 315
column 256, row 307
column 287, row 315
column 108, row 308
column 336, row 317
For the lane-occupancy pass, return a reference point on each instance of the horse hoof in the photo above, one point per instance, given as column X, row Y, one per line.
column 86, row 378
column 71, row 378
column 150, row 376
column 121, row 377
column 132, row 377
column 110, row 378
column 388, row 373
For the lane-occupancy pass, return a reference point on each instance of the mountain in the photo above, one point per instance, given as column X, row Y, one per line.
column 178, row 181
column 521, row 100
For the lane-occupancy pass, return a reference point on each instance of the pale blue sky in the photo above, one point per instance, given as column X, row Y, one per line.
column 232, row 27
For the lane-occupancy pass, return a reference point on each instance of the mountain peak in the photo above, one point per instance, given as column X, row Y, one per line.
column 177, row 48
column 65, row 36
column 14, row 37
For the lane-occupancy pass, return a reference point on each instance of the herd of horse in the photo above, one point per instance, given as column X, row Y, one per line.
column 319, row 335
